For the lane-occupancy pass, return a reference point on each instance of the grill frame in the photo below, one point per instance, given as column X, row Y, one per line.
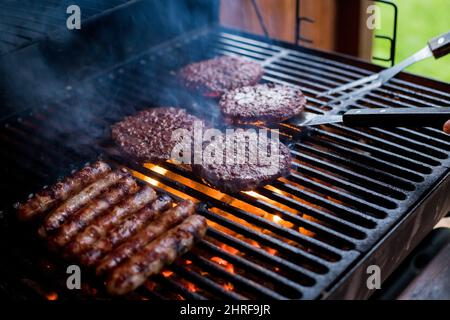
column 355, row 268
column 48, row 20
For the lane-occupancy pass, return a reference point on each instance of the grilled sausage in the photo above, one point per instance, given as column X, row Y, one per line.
column 79, row 220
column 124, row 230
column 99, row 227
column 46, row 199
column 55, row 219
column 152, row 258
column 447, row 127
column 167, row 220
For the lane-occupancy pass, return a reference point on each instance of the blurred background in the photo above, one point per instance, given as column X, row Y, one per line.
column 340, row 25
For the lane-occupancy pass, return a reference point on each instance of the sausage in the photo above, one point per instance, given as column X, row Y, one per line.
column 167, row 220
column 447, row 127
column 56, row 218
column 99, row 227
column 46, row 199
column 124, row 230
column 79, row 220
column 152, row 258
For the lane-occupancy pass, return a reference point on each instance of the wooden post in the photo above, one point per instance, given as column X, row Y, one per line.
column 339, row 25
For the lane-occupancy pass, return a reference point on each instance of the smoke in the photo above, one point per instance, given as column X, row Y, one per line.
column 70, row 66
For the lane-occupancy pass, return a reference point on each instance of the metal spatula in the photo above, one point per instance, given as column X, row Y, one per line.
column 437, row 47
column 386, row 117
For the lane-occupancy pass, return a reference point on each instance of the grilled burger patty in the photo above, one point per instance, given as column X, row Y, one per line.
column 216, row 76
column 263, row 102
column 147, row 135
column 230, row 175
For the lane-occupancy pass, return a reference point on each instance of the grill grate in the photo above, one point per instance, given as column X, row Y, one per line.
column 25, row 22
column 292, row 239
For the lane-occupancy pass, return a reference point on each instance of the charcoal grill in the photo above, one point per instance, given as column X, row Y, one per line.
column 355, row 197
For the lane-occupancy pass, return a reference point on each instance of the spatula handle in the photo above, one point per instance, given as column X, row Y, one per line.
column 440, row 46
column 397, row 117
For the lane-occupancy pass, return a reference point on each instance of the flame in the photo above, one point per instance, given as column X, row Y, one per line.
column 156, row 168
column 151, row 181
column 228, row 266
column 277, row 219
column 188, row 182
column 228, row 286
column 191, row 287
column 255, row 244
column 156, row 183
column 253, row 194
column 52, row 296
column 229, row 249
column 167, row 274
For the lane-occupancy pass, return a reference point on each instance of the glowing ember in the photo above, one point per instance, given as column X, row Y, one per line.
column 254, row 243
column 150, row 285
column 253, row 194
column 52, row 296
column 228, row 266
column 156, row 183
column 167, row 274
column 151, row 181
column 229, row 249
column 276, row 219
column 271, row 251
column 277, row 191
column 188, row 262
column 228, row 286
column 219, row 261
column 191, row 287
column 156, row 168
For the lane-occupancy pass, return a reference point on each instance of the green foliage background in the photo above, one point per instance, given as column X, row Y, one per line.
column 418, row 21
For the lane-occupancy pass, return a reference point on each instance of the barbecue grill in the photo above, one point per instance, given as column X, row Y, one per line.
column 355, row 197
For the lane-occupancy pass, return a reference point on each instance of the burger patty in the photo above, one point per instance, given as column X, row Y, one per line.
column 147, row 136
column 216, row 76
column 263, row 102
column 236, row 172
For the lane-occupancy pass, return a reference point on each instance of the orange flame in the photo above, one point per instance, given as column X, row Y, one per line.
column 228, row 286
column 191, row 287
column 52, row 296
column 229, row 249
column 228, row 266
column 167, row 274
